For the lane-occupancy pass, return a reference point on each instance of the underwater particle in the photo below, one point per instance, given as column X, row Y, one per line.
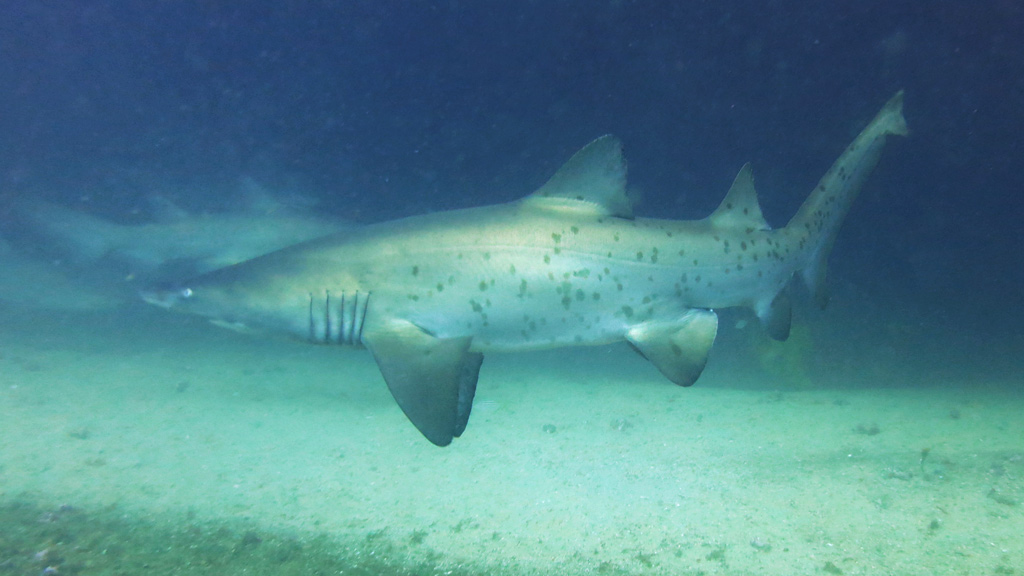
column 81, row 433
column 867, row 429
column 924, row 456
column 893, row 473
column 43, row 556
column 463, row 524
column 760, row 545
column 645, row 559
column 251, row 538
column 954, row 414
column 1002, row 498
column 831, row 568
column 621, row 424
column 717, row 554
column 549, row 428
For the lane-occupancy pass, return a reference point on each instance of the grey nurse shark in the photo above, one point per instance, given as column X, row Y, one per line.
column 568, row 265
column 174, row 239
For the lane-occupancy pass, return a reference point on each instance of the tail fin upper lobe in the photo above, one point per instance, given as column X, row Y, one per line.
column 822, row 214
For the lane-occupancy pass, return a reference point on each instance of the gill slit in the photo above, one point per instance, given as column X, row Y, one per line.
column 334, row 320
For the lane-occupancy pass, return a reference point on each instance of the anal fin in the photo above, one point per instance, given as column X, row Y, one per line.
column 776, row 316
column 432, row 379
column 679, row 349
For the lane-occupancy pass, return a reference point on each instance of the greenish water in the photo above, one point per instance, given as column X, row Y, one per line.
column 135, row 444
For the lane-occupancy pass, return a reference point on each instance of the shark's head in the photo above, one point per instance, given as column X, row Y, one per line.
column 209, row 302
column 232, row 304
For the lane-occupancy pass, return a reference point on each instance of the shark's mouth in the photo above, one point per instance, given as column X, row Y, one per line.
column 337, row 318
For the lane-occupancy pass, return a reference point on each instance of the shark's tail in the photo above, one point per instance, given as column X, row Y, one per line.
column 76, row 235
column 822, row 214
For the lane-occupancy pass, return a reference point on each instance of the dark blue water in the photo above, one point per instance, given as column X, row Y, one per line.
column 386, row 109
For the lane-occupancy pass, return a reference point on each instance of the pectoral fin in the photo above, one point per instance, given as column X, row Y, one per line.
column 432, row 379
column 679, row 349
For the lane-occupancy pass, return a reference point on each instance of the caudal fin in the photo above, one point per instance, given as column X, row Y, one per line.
column 72, row 234
column 822, row 214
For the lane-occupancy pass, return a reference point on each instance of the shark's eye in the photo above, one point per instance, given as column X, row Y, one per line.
column 186, row 292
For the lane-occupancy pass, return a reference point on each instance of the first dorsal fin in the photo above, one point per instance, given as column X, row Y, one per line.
column 592, row 181
column 740, row 208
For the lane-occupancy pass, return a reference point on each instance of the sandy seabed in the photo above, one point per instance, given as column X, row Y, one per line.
column 574, row 462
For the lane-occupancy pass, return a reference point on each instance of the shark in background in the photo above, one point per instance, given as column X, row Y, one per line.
column 569, row 265
column 32, row 283
column 57, row 257
column 175, row 239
